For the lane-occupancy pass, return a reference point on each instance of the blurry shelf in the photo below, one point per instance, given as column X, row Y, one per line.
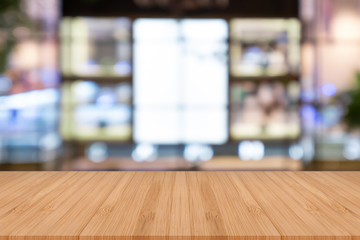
column 230, row 142
column 92, row 140
column 285, row 79
column 113, row 79
column 118, row 142
column 265, row 140
column 178, row 163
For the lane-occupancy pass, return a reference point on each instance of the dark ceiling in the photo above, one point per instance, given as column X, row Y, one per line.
column 235, row 8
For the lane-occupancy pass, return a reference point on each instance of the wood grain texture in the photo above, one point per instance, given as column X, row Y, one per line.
column 179, row 205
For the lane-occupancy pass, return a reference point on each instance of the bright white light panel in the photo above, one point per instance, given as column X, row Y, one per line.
column 180, row 81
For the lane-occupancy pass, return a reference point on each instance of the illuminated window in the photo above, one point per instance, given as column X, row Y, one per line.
column 96, row 46
column 180, row 81
column 264, row 47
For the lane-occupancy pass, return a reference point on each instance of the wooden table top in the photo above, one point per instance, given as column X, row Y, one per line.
column 179, row 205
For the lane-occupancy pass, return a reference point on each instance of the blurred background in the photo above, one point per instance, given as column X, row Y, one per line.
column 179, row 85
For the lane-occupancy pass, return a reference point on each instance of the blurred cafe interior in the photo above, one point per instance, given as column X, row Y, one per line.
column 179, row 85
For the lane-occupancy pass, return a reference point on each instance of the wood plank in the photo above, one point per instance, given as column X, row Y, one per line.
column 291, row 221
column 179, row 205
column 46, row 213
column 18, row 201
column 244, row 209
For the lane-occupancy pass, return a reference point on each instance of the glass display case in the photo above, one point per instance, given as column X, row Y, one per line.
column 264, row 47
column 93, row 111
column 265, row 90
column 97, row 67
column 96, row 47
column 265, row 110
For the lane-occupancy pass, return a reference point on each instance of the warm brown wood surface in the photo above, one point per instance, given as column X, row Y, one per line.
column 179, row 205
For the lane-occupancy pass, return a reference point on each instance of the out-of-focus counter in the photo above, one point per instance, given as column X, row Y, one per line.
column 176, row 163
